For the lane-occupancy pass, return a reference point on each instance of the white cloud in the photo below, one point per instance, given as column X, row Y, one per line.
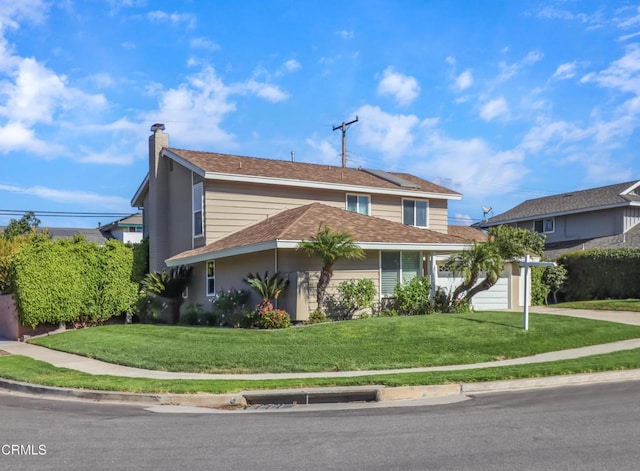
column 204, row 43
column 17, row 137
column 565, row 71
column 324, row 152
column 291, row 65
column 346, row 34
column 472, row 165
column 389, row 134
column 631, row 21
column 159, row 16
column 623, row 74
column 88, row 199
column 494, row 108
column 551, row 135
column 508, row 71
column 404, row 88
column 267, row 91
column 464, row 80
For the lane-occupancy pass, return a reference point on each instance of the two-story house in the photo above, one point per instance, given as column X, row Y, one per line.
column 603, row 217
column 127, row 229
column 229, row 215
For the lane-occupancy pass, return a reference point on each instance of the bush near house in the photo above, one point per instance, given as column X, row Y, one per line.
column 601, row 273
column 354, row 297
column 72, row 280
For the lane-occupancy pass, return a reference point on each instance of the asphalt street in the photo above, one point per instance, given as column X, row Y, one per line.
column 591, row 427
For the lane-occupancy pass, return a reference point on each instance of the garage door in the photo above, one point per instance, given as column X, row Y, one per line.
column 497, row 297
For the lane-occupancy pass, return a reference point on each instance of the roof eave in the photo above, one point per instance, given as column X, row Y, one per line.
column 293, row 244
column 138, row 198
column 328, row 186
column 489, row 223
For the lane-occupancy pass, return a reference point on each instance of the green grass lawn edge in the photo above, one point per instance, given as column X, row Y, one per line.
column 28, row 370
column 370, row 344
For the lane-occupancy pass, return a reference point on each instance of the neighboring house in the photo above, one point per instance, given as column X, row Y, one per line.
column 92, row 235
column 127, row 229
column 228, row 215
column 603, row 217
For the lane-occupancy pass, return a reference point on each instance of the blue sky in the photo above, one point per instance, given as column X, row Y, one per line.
column 499, row 100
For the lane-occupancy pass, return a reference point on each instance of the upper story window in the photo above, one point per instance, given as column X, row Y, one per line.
column 544, row 226
column 359, row 204
column 198, row 197
column 414, row 213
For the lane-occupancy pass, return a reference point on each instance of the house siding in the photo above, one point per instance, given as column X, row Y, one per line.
column 179, row 210
column 230, row 206
column 631, row 217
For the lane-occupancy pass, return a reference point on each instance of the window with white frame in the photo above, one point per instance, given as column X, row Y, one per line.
column 544, row 226
column 211, row 278
column 359, row 204
column 198, row 197
column 414, row 213
column 398, row 267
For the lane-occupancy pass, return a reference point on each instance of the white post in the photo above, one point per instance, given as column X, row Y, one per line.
column 526, row 292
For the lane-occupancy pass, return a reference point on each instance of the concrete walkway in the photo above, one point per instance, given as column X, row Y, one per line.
column 96, row 367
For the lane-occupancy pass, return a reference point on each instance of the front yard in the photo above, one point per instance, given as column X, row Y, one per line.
column 369, row 344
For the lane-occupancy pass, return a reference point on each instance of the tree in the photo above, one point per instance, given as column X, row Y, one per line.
column 330, row 246
column 24, row 225
column 268, row 288
column 482, row 257
column 169, row 286
column 505, row 243
column 554, row 278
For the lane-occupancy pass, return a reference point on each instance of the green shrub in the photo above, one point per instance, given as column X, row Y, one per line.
column 229, row 309
column 192, row 314
column 414, row 298
column 389, row 313
column 275, row 319
column 601, row 274
column 140, row 260
column 317, row 317
column 353, row 297
column 539, row 289
column 72, row 280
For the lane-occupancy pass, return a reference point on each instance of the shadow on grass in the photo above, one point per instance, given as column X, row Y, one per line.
column 482, row 321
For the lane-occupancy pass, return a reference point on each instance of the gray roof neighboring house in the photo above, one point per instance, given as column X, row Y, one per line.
column 630, row 239
column 620, row 194
column 133, row 220
column 92, row 235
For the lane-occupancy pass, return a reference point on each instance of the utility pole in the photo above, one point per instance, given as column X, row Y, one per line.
column 343, row 127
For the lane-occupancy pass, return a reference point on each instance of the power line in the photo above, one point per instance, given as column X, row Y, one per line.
column 18, row 212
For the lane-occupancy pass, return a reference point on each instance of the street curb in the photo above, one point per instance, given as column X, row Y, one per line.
column 318, row 395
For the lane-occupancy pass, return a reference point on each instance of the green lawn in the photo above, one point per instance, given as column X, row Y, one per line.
column 20, row 368
column 376, row 343
column 604, row 305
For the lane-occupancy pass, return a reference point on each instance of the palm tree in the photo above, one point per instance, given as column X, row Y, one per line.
column 330, row 246
column 267, row 287
column 169, row 286
column 469, row 263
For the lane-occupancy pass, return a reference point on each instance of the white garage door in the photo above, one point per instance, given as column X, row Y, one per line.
column 497, row 297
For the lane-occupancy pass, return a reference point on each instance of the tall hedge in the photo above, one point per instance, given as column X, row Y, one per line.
column 601, row 274
column 72, row 280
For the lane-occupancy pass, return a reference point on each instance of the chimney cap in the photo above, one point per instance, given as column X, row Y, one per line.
column 157, row 127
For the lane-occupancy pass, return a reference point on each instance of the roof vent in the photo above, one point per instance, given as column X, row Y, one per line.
column 157, row 127
column 391, row 178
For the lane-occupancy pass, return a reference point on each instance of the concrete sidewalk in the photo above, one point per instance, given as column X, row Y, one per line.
column 96, row 367
column 264, row 400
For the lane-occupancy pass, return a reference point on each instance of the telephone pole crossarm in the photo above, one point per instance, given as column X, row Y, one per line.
column 343, row 128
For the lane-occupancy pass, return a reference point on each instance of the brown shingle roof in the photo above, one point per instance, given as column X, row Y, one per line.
column 303, row 222
column 468, row 233
column 252, row 166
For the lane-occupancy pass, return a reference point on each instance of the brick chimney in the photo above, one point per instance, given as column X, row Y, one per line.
column 158, row 199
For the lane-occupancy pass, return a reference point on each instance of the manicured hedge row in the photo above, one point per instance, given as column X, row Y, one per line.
column 602, row 273
column 72, row 280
